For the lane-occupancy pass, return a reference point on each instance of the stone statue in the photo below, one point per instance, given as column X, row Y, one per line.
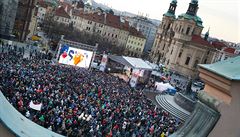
column 188, row 89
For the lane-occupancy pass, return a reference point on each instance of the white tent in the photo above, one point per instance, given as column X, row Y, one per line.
column 163, row 86
column 137, row 63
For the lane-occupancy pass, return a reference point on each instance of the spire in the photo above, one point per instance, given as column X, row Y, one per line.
column 172, row 7
column 192, row 8
column 206, row 34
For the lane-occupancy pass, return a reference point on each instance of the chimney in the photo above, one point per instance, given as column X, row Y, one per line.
column 105, row 17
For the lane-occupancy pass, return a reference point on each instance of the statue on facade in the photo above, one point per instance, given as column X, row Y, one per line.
column 188, row 89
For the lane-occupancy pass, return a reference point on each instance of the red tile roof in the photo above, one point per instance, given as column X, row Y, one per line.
column 133, row 31
column 42, row 3
column 125, row 26
column 96, row 17
column 67, row 6
column 219, row 45
column 229, row 50
column 198, row 39
column 76, row 12
column 113, row 20
column 62, row 13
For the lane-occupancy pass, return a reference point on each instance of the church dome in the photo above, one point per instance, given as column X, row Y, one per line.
column 174, row 2
column 196, row 18
column 194, row 1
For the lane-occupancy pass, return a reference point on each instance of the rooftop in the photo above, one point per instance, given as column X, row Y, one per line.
column 198, row 39
column 62, row 13
column 230, row 50
column 133, row 31
column 196, row 18
column 218, row 44
column 229, row 69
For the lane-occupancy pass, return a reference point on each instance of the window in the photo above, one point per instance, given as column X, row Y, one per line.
column 188, row 31
column 187, row 60
column 168, row 26
column 88, row 28
column 163, row 47
column 180, row 54
column 196, row 63
column 89, row 22
column 168, row 62
column 208, row 52
column 116, row 36
column 171, row 52
column 205, row 61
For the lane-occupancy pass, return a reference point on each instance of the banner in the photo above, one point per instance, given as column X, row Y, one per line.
column 103, row 63
column 134, row 77
column 35, row 106
column 75, row 57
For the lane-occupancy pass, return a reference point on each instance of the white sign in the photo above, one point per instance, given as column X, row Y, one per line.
column 75, row 57
column 134, row 77
column 35, row 106
column 103, row 63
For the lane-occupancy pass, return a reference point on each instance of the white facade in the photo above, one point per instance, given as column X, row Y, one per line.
column 148, row 29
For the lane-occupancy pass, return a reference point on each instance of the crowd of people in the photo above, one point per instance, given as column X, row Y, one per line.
column 79, row 102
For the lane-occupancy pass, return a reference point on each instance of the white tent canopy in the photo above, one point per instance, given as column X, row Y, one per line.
column 163, row 86
column 138, row 63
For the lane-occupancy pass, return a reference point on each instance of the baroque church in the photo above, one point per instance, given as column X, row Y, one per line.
column 179, row 44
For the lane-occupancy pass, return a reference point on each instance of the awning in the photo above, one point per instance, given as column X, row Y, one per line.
column 136, row 63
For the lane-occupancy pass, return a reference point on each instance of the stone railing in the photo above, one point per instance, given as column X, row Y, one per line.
column 202, row 120
column 184, row 102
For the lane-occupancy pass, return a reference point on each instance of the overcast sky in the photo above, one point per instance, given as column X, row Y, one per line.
column 222, row 16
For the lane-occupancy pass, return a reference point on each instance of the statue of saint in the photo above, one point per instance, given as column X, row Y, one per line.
column 188, row 89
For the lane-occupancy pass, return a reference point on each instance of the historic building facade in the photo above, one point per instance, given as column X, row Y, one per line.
column 112, row 28
column 147, row 27
column 135, row 43
column 8, row 9
column 178, row 43
column 25, row 13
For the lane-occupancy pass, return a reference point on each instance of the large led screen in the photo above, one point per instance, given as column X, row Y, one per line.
column 75, row 57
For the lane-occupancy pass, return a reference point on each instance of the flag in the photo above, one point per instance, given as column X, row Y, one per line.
column 35, row 106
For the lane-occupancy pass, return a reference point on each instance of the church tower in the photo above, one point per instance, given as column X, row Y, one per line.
column 164, row 31
column 168, row 18
column 192, row 8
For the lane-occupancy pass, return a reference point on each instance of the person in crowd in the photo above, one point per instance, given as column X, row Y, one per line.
column 77, row 102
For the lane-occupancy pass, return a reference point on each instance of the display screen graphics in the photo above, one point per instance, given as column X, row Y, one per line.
column 76, row 57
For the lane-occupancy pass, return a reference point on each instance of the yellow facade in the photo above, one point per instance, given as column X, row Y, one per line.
column 135, row 45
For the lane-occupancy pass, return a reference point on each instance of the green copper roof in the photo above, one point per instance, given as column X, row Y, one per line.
column 174, row 1
column 169, row 14
column 197, row 19
column 229, row 68
column 194, row 1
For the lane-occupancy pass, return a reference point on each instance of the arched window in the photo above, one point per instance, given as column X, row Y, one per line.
column 180, row 54
column 205, row 61
column 196, row 63
column 168, row 26
column 187, row 61
column 163, row 47
column 188, row 30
